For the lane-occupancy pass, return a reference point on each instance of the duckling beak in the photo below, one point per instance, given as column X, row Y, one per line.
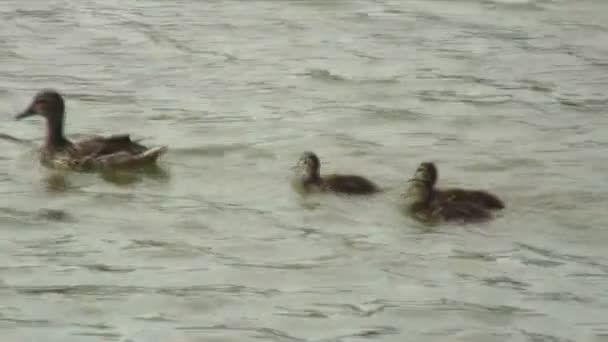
column 29, row 111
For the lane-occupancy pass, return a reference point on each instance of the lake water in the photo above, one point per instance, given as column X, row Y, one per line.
column 508, row 96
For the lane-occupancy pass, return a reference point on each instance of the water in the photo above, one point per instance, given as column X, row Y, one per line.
column 508, row 96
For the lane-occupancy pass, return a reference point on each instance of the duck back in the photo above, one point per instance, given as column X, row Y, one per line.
column 460, row 211
column 478, row 197
column 99, row 145
column 351, row 184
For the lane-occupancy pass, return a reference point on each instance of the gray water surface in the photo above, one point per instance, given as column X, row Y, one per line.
column 509, row 96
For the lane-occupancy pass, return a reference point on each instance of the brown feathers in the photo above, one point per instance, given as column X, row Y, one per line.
column 309, row 178
column 116, row 151
column 431, row 205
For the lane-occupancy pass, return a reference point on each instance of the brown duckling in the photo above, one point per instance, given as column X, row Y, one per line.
column 420, row 203
column 309, row 178
column 480, row 197
column 96, row 152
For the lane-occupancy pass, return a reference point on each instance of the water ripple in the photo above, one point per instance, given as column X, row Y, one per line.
column 506, row 94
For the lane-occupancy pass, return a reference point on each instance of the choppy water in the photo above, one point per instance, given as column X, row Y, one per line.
column 505, row 95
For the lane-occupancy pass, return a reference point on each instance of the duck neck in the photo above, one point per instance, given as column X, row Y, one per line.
column 418, row 194
column 312, row 178
column 54, row 132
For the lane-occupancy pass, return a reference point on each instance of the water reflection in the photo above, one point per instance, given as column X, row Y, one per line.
column 8, row 137
column 58, row 181
column 131, row 176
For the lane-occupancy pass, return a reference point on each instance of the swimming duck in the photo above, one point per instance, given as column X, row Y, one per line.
column 422, row 205
column 97, row 152
column 309, row 178
column 480, row 197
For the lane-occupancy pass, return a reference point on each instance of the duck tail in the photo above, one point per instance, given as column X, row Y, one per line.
column 153, row 153
column 124, row 159
column 489, row 200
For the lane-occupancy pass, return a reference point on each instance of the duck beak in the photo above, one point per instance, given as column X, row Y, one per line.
column 29, row 111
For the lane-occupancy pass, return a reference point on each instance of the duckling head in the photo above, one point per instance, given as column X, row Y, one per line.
column 308, row 166
column 427, row 171
column 420, row 186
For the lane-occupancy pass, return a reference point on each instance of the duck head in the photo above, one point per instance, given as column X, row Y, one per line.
column 421, row 185
column 308, row 166
column 47, row 103
column 427, row 171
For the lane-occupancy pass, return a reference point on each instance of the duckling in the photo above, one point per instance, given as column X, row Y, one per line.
column 309, row 178
column 480, row 197
column 420, row 203
column 97, row 152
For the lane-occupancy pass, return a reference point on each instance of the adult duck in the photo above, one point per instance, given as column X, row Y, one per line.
column 97, row 152
column 421, row 204
column 309, row 179
column 480, row 197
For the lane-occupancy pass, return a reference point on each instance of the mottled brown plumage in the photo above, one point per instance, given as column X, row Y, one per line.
column 422, row 204
column 480, row 197
column 309, row 179
column 97, row 152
